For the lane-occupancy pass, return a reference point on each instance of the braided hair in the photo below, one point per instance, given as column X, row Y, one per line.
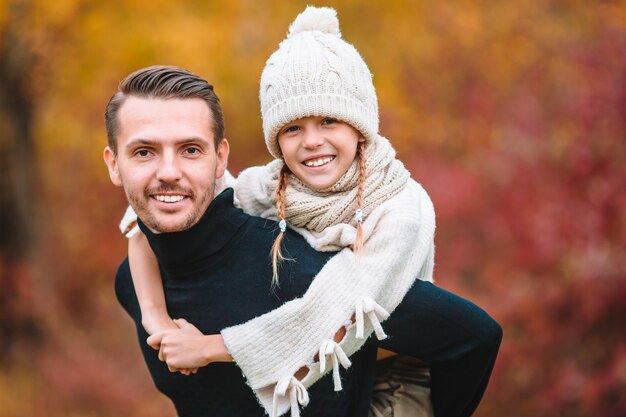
column 277, row 255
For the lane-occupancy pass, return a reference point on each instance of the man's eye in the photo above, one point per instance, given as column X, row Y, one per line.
column 142, row 153
column 192, row 151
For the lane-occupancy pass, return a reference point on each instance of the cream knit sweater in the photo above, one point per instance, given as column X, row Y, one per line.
column 398, row 248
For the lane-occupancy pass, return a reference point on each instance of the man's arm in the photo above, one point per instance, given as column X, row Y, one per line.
column 455, row 337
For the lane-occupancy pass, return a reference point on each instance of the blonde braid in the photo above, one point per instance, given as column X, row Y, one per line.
column 358, row 244
column 277, row 255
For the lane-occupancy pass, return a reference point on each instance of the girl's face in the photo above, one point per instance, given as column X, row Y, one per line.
column 318, row 150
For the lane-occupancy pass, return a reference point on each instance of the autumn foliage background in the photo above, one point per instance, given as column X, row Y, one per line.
column 512, row 115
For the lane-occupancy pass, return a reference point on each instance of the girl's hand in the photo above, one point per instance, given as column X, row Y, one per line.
column 157, row 322
column 188, row 348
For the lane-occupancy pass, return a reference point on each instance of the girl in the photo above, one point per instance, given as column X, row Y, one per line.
column 336, row 182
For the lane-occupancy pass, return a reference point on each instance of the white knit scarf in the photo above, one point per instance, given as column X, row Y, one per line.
column 316, row 210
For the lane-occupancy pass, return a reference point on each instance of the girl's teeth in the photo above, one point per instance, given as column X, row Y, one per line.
column 169, row 198
column 319, row 162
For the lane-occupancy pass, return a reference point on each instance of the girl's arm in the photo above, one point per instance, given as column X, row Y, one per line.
column 144, row 269
column 187, row 348
column 398, row 248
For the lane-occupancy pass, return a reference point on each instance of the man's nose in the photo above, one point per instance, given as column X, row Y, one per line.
column 169, row 169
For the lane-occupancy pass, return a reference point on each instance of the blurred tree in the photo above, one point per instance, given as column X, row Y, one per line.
column 511, row 116
column 18, row 198
column 31, row 31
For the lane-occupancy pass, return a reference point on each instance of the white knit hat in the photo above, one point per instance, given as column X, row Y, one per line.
column 316, row 73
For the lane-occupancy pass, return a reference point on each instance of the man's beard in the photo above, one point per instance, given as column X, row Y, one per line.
column 141, row 206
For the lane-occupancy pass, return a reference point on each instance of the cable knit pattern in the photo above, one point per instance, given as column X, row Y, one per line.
column 315, row 72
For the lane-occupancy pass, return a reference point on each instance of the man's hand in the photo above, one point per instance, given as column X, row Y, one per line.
column 187, row 348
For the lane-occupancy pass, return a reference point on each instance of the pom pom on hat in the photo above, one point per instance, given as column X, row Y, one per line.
column 323, row 19
column 316, row 73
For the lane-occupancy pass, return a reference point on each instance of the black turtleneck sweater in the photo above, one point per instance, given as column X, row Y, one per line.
column 218, row 274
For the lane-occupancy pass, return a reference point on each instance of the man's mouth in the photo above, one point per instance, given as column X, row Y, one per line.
column 169, row 198
column 317, row 162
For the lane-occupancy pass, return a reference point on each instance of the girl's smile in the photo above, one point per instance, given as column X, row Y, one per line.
column 318, row 150
column 319, row 161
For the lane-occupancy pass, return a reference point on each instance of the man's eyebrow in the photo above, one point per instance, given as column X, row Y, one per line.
column 133, row 143
column 138, row 142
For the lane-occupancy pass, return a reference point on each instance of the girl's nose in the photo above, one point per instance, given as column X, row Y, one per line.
column 312, row 139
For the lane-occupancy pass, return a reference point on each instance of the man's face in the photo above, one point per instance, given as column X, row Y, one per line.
column 166, row 160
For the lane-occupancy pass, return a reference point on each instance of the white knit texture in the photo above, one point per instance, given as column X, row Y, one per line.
column 128, row 225
column 323, row 19
column 316, row 73
column 398, row 248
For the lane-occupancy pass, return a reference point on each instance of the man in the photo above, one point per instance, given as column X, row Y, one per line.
column 166, row 149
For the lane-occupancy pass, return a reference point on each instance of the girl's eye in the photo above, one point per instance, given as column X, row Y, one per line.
column 328, row 121
column 290, row 129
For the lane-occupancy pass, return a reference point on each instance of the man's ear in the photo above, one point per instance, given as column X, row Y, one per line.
column 222, row 158
column 111, row 161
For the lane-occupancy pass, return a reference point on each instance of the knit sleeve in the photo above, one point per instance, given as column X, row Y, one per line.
column 128, row 225
column 398, row 248
column 254, row 188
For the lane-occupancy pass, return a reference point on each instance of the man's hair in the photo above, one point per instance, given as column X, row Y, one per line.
column 164, row 82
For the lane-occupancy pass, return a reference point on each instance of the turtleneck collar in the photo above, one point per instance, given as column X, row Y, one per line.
column 180, row 252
